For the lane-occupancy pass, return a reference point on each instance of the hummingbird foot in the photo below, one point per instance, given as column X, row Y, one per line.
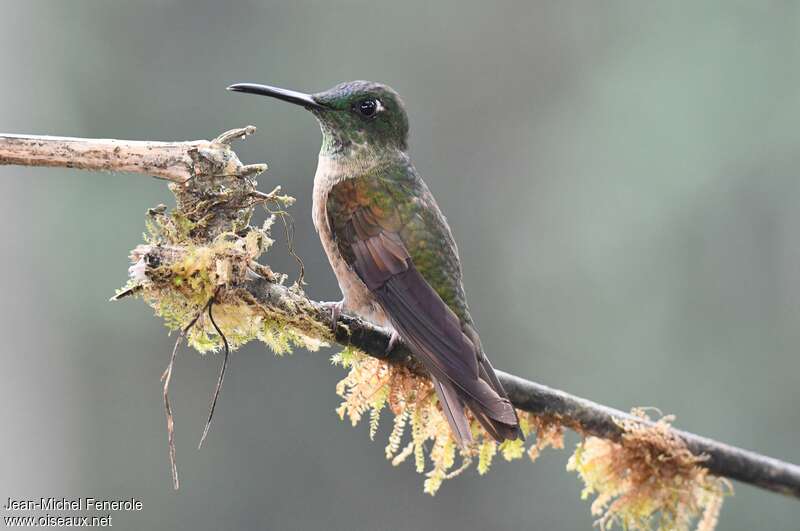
column 394, row 340
column 336, row 311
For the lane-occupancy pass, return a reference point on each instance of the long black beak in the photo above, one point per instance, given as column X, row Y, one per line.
column 298, row 98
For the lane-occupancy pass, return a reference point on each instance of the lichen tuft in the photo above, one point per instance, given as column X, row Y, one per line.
column 649, row 480
column 178, row 270
column 372, row 384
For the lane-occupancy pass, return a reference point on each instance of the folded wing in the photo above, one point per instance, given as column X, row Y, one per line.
column 370, row 239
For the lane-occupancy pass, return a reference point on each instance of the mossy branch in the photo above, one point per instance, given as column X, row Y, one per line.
column 205, row 252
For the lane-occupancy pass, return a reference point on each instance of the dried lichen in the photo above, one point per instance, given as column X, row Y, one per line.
column 372, row 384
column 648, row 480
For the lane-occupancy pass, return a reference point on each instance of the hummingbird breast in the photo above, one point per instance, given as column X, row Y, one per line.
column 356, row 296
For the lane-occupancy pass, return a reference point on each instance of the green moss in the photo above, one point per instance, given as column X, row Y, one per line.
column 511, row 450
column 277, row 337
column 347, row 357
column 170, row 228
column 180, row 290
column 486, row 454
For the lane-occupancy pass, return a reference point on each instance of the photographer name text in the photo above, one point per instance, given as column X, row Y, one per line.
column 72, row 504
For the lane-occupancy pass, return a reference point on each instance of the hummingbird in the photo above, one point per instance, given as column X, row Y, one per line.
column 392, row 249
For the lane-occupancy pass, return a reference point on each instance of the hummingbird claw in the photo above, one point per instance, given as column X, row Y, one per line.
column 394, row 339
column 336, row 312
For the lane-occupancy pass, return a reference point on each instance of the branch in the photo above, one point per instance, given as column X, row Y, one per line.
column 217, row 194
column 198, row 171
column 173, row 161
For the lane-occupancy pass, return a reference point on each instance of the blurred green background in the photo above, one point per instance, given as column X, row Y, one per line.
column 622, row 179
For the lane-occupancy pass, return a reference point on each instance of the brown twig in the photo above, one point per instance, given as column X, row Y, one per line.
column 172, row 161
column 166, row 377
column 226, row 350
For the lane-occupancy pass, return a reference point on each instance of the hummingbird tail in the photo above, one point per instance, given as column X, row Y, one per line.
column 500, row 431
column 453, row 409
column 494, row 419
column 498, row 417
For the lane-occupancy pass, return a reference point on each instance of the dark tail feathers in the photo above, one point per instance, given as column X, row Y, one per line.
column 498, row 417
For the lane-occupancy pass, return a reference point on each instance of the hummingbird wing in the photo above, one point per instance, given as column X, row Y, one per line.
column 390, row 231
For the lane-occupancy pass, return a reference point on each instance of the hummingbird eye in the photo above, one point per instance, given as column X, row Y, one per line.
column 367, row 107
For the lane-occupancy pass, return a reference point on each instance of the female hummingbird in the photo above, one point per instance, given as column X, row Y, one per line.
column 392, row 250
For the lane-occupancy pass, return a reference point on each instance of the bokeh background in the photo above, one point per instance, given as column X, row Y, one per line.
column 622, row 179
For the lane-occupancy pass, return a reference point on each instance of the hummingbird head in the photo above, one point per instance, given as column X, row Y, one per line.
column 355, row 116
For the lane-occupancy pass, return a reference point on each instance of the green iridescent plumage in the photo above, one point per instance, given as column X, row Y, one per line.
column 392, row 250
column 396, row 195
